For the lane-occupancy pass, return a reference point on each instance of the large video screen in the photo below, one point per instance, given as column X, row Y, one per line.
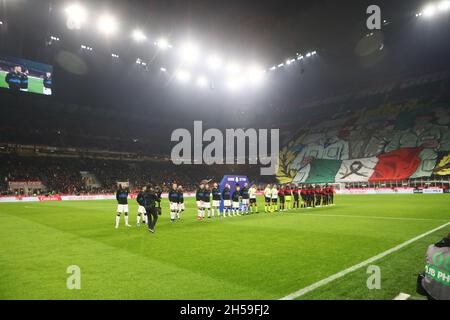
column 25, row 75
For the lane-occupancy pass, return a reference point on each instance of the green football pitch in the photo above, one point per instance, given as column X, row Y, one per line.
column 260, row 256
column 35, row 85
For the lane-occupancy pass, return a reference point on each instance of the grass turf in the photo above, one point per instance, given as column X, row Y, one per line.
column 264, row 256
column 34, row 85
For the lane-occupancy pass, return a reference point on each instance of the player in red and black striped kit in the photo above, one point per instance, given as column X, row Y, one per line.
column 282, row 198
column 318, row 195
column 295, row 193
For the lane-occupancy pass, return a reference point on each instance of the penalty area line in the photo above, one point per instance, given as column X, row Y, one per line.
column 344, row 272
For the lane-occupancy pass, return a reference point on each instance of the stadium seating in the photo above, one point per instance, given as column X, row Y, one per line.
column 62, row 175
column 395, row 132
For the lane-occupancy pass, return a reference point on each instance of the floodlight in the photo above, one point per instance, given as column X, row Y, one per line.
column 255, row 75
column 444, row 5
column 189, row 52
column 76, row 16
column 163, row 69
column 183, row 76
column 429, row 10
column 162, row 44
column 214, row 62
column 202, row 81
column 138, row 35
column 233, row 68
column 107, row 24
column 234, row 84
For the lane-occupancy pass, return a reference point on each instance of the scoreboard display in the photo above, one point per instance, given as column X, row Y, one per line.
column 26, row 76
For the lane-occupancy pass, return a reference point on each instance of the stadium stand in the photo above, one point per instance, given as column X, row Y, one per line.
column 395, row 132
column 61, row 175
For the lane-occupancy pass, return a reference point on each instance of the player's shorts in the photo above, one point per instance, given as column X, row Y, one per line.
column 235, row 205
column 227, row 203
column 141, row 209
column 267, row 199
column 216, row 203
column 206, row 205
column 122, row 208
column 200, row 204
column 173, row 206
column 282, row 200
column 274, row 200
column 253, row 200
column 245, row 202
column 288, row 198
column 181, row 206
column 48, row 91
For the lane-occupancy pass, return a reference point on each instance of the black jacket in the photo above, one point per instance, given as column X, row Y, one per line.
column 149, row 200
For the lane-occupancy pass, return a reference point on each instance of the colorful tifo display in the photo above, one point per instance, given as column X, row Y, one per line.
column 395, row 140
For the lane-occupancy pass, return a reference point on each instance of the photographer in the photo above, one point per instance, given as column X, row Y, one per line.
column 434, row 283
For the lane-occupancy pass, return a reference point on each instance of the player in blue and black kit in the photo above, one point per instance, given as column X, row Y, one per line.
column 122, row 207
column 216, row 197
column 47, row 84
column 226, row 196
column 141, row 209
column 173, row 200
column 235, row 197
column 199, row 198
column 207, row 200
column 16, row 79
column 245, row 198
column 180, row 202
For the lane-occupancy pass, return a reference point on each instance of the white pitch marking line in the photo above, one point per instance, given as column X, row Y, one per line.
column 342, row 273
column 402, row 296
column 370, row 217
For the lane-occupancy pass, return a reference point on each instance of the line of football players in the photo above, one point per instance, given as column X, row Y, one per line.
column 242, row 201
column 293, row 196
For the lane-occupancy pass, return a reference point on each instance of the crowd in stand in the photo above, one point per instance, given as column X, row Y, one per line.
column 62, row 175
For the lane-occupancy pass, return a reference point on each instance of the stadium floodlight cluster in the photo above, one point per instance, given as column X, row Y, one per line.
column 431, row 9
column 140, row 62
column 76, row 16
column 188, row 53
column 290, row 61
column 87, row 48
column 53, row 38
